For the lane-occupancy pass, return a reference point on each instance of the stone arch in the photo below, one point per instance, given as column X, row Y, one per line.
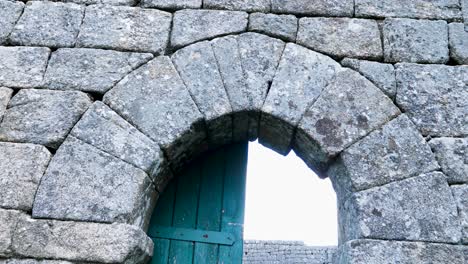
column 173, row 108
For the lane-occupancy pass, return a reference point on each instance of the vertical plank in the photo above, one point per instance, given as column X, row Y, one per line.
column 185, row 213
column 210, row 205
column 234, row 202
column 162, row 216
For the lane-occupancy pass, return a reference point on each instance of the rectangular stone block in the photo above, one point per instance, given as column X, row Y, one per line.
column 458, row 42
column 416, row 209
column 125, row 28
column 278, row 26
column 172, row 4
column 22, row 67
column 418, row 41
column 90, row 70
column 341, row 37
column 314, row 7
column 198, row 68
column 452, row 155
column 10, row 12
column 364, row 251
column 33, row 261
column 8, row 220
column 81, row 242
column 49, row 24
column 460, row 192
column 425, row 9
column 5, row 96
column 243, row 5
column 83, row 183
column 21, row 170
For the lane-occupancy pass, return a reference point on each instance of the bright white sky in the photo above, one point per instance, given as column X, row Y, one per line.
column 287, row 201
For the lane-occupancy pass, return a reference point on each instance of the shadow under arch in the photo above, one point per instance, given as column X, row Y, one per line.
column 249, row 86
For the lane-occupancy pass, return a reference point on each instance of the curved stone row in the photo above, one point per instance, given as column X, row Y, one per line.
column 123, row 28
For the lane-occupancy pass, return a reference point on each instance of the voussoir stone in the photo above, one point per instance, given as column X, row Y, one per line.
column 90, row 70
column 395, row 152
column 341, row 37
column 172, row 4
column 301, row 76
column 348, row 109
column 5, row 96
column 381, row 74
column 21, row 167
column 81, row 242
column 190, row 26
column 260, row 56
column 125, row 28
column 421, row 208
column 452, row 155
column 48, row 24
column 243, row 5
column 155, row 100
column 460, row 192
column 279, row 26
column 378, row 251
column 42, row 116
column 84, row 183
column 434, row 97
column 426, row 9
column 418, row 41
column 8, row 220
column 458, row 43
column 106, row 130
column 22, row 67
column 10, row 12
column 314, row 7
column 198, row 69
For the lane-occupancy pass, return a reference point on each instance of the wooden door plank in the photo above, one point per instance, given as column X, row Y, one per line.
column 210, row 205
column 234, row 202
column 185, row 213
column 163, row 216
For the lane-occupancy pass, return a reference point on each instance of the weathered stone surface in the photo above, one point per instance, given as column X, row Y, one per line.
column 347, row 110
column 48, row 24
column 460, row 192
column 90, row 70
column 172, row 4
column 458, row 43
column 314, row 7
column 33, row 261
column 42, row 116
column 190, row 26
column 22, row 67
column 260, row 56
column 244, row 5
column 419, row 41
column 341, row 37
column 465, row 13
column 381, row 74
column 81, row 242
column 22, row 167
column 279, row 26
column 378, row 251
column 9, row 219
column 429, row 9
column 5, row 96
column 104, row 129
column 85, row 184
column 10, row 11
column 395, row 152
column 154, row 99
column 416, row 209
column 104, row 2
column 301, row 76
column 125, row 28
column 452, row 155
column 198, row 69
column 226, row 51
column 434, row 97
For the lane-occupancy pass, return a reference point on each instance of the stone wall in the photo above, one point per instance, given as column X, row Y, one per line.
column 286, row 252
column 103, row 101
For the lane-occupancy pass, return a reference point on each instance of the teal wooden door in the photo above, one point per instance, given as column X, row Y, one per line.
column 199, row 217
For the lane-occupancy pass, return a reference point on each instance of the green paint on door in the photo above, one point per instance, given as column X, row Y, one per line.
column 199, row 218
